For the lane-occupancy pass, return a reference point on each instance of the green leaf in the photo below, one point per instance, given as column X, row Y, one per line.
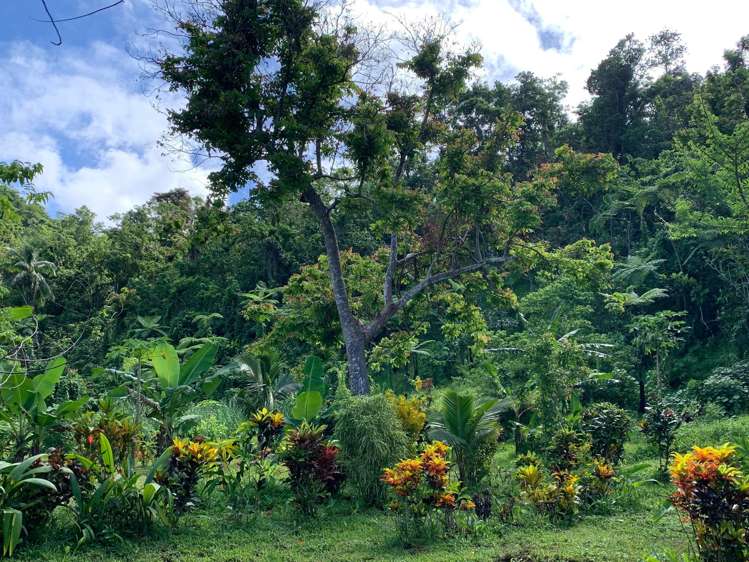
column 17, row 391
column 22, row 467
column 17, row 312
column 40, row 482
column 307, row 405
column 166, row 364
column 149, row 492
column 44, row 384
column 118, row 392
column 12, row 525
column 313, row 381
column 159, row 464
column 71, row 407
column 210, row 385
column 198, row 363
column 107, row 455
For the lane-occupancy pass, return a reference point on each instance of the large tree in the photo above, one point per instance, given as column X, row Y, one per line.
column 288, row 86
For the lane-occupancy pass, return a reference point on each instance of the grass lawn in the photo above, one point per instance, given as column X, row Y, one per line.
column 338, row 535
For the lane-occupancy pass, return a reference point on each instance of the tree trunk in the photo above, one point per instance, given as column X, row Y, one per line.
column 353, row 333
column 643, row 402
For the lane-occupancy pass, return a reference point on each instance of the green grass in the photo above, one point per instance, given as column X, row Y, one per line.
column 341, row 536
column 339, row 533
column 713, row 432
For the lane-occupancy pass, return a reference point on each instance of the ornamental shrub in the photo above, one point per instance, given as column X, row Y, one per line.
column 371, row 437
column 608, row 426
column 312, row 461
column 259, row 435
column 422, row 491
column 410, row 411
column 660, row 424
column 712, row 494
column 568, row 450
column 557, row 496
column 188, row 461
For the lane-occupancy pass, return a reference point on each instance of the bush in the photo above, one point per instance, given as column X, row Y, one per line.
column 660, row 424
column 728, row 387
column 411, row 413
column 712, row 433
column 188, row 461
column 371, row 437
column 109, row 505
column 422, row 491
column 215, row 420
column 557, row 496
column 314, row 474
column 567, row 450
column 40, row 502
column 713, row 494
column 259, row 435
column 608, row 426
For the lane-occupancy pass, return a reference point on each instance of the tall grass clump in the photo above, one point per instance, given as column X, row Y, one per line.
column 371, row 438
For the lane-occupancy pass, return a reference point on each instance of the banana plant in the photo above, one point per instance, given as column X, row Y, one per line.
column 309, row 400
column 178, row 384
column 14, row 477
column 24, row 405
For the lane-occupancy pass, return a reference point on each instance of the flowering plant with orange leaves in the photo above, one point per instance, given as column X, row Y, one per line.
column 422, row 490
column 188, row 461
column 557, row 496
column 712, row 494
column 262, row 431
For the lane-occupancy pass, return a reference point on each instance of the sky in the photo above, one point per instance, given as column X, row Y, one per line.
column 85, row 110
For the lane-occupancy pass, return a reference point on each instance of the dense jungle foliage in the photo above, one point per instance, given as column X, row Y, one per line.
column 448, row 299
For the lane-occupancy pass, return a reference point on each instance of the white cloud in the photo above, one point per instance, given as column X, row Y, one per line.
column 85, row 117
column 591, row 27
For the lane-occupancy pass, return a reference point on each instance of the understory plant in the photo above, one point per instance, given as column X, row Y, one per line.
column 187, row 462
column 557, row 495
column 312, row 461
column 411, row 412
column 15, row 478
column 424, row 498
column 660, row 424
column 712, row 495
column 568, row 449
column 110, row 506
column 608, row 426
column 469, row 426
column 40, row 501
column 371, row 437
column 247, row 470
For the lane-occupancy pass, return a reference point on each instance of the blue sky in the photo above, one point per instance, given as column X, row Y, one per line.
column 84, row 110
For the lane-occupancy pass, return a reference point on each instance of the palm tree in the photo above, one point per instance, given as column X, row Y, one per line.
column 467, row 425
column 31, row 275
column 635, row 269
